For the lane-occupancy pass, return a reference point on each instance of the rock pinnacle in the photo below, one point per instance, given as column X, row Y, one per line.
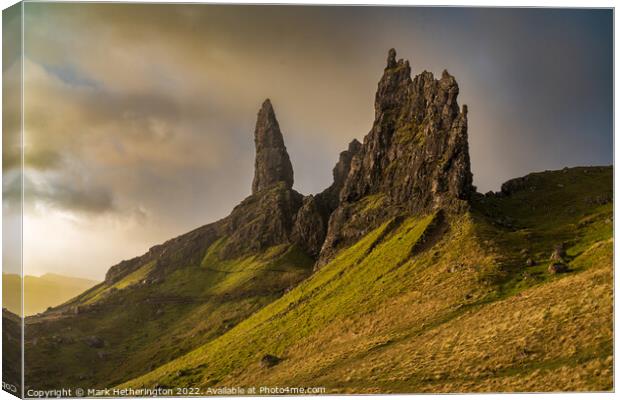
column 272, row 164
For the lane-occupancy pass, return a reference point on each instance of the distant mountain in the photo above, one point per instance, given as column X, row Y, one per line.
column 41, row 292
column 399, row 277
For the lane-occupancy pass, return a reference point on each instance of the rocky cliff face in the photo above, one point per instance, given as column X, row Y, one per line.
column 262, row 220
column 416, row 151
column 414, row 159
column 331, row 196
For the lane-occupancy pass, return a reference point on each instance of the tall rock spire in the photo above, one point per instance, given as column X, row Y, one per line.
column 272, row 164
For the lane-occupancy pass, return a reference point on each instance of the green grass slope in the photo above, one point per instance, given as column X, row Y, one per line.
column 441, row 304
column 132, row 326
column 40, row 292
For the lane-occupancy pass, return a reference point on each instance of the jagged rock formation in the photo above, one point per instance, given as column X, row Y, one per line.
column 331, row 196
column 414, row 159
column 417, row 150
column 312, row 219
column 273, row 164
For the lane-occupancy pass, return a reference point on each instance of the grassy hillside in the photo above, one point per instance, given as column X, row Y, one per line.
column 11, row 352
column 441, row 304
column 136, row 324
column 40, row 292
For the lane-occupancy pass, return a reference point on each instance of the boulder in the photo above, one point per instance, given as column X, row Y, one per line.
column 557, row 268
column 95, row 342
column 269, row 360
column 559, row 252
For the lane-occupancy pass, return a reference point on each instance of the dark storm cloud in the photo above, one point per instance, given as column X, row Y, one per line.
column 69, row 194
column 152, row 107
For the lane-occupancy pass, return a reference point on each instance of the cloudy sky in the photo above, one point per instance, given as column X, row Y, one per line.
column 139, row 118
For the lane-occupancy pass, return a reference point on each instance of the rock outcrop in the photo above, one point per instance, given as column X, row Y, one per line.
column 187, row 249
column 331, row 196
column 417, row 150
column 272, row 164
column 262, row 220
column 312, row 219
column 310, row 226
column 414, row 159
column 265, row 218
